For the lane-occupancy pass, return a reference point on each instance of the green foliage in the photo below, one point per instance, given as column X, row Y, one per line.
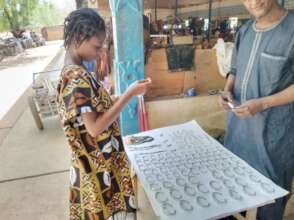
column 16, row 13
column 81, row 3
column 45, row 14
column 4, row 25
column 20, row 14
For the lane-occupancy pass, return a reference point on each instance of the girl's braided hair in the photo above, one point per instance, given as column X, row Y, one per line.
column 81, row 25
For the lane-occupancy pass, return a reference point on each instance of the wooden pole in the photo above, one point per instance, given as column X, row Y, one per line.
column 209, row 19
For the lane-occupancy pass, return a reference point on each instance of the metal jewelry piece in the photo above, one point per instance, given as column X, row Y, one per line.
column 202, row 201
column 219, row 198
column 194, row 180
column 180, row 181
column 267, row 187
column 202, row 188
column 168, row 209
column 228, row 183
column 228, row 173
column 167, row 185
column 137, row 140
column 240, row 181
column 215, row 185
column 160, row 177
column 235, row 195
column 195, row 171
column 161, row 197
column 175, row 194
column 150, row 179
column 249, row 191
column 186, row 205
column 155, row 187
column 190, row 191
column 239, row 171
column 254, row 178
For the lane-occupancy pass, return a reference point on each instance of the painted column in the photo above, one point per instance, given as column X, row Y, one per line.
column 128, row 39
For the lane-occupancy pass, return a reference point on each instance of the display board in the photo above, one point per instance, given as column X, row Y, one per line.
column 189, row 175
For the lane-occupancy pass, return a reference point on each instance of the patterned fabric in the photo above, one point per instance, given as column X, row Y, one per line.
column 99, row 176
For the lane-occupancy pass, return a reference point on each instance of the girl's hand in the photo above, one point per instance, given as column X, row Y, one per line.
column 139, row 87
column 114, row 98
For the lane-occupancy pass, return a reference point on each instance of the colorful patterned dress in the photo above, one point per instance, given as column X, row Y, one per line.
column 100, row 179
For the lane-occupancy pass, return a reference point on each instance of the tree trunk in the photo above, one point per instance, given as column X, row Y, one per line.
column 9, row 18
column 79, row 3
column 17, row 33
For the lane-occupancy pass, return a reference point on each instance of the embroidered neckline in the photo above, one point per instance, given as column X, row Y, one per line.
column 274, row 25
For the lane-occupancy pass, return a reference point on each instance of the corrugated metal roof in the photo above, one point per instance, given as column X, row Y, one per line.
column 169, row 4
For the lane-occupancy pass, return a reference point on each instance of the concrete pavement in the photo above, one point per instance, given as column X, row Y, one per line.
column 34, row 164
column 16, row 72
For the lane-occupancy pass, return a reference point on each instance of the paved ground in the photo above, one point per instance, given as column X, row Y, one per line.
column 34, row 164
column 34, row 172
column 16, row 72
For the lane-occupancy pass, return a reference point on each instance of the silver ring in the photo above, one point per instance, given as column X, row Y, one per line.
column 267, row 188
column 161, row 197
column 175, row 194
column 215, row 185
column 190, row 191
column 202, row 188
column 235, row 195
column 168, row 209
column 249, row 191
column 203, row 202
column 186, row 205
column 219, row 198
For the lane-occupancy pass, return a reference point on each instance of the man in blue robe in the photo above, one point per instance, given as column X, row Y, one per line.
column 259, row 97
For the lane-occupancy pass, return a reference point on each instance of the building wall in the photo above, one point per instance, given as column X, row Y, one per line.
column 52, row 33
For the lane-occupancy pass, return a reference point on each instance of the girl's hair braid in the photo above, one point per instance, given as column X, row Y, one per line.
column 81, row 25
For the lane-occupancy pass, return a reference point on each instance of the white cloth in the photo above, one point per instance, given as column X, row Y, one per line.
column 224, row 55
column 123, row 216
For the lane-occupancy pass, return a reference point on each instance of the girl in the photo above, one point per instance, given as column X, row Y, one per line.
column 101, row 186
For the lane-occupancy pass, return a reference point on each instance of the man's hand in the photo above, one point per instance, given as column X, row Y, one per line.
column 224, row 99
column 250, row 108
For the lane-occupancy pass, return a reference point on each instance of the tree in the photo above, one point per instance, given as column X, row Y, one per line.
column 45, row 14
column 81, row 3
column 17, row 14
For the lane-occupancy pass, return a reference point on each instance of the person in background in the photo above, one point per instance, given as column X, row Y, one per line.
column 205, row 44
column 147, row 39
column 100, row 181
column 259, row 97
